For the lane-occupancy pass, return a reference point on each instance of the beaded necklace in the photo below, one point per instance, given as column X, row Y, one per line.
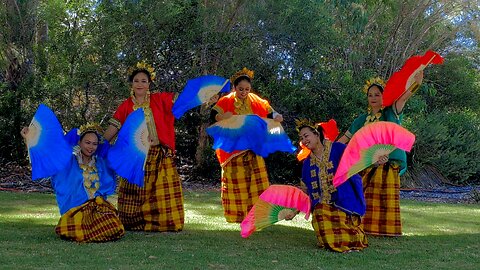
column 91, row 181
column 324, row 177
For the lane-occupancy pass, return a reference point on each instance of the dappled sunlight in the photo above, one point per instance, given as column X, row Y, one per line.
column 439, row 219
column 27, row 227
column 27, row 219
column 204, row 210
column 298, row 222
column 27, row 210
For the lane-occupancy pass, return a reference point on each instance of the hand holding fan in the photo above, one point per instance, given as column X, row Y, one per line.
column 198, row 91
column 250, row 132
column 276, row 140
column 239, row 132
column 128, row 155
column 370, row 143
column 401, row 80
column 273, row 205
column 47, row 149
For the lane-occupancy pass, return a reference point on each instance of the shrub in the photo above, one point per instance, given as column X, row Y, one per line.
column 449, row 141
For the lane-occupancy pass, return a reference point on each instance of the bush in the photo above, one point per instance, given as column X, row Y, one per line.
column 449, row 141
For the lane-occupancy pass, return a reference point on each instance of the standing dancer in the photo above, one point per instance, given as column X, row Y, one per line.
column 381, row 182
column 158, row 204
column 244, row 174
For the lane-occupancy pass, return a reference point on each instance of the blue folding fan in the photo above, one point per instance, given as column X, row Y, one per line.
column 276, row 140
column 128, row 155
column 250, row 132
column 198, row 91
column 239, row 132
column 72, row 137
column 48, row 151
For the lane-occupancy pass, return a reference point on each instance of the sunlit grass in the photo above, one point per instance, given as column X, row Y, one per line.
column 437, row 236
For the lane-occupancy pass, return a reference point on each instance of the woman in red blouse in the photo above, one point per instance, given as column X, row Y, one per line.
column 158, row 205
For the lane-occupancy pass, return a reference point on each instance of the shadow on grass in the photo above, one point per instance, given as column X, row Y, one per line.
column 276, row 247
column 435, row 240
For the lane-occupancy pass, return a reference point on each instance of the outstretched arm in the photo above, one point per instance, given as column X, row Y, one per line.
column 110, row 132
column 344, row 139
column 400, row 102
column 223, row 116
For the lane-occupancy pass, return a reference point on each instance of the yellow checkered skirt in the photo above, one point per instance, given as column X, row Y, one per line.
column 158, row 205
column 381, row 186
column 94, row 221
column 244, row 178
column 337, row 231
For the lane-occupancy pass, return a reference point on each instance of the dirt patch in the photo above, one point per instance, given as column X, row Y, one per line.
column 445, row 194
column 14, row 177
column 17, row 178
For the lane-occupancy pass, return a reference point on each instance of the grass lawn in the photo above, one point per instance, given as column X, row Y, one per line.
column 437, row 236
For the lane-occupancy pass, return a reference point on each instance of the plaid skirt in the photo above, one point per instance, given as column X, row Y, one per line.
column 381, row 186
column 158, row 205
column 244, row 178
column 94, row 221
column 337, row 231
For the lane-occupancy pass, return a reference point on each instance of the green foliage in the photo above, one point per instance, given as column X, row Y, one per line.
column 310, row 58
column 456, row 84
column 283, row 169
column 450, row 142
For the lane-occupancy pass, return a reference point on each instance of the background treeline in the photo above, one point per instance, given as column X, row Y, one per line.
column 310, row 58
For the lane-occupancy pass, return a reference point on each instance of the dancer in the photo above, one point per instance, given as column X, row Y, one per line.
column 381, row 182
column 158, row 204
column 244, row 174
column 336, row 211
column 81, row 190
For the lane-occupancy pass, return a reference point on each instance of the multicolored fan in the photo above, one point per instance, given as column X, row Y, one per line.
column 370, row 143
column 239, row 132
column 401, row 80
column 198, row 91
column 276, row 140
column 48, row 151
column 128, row 155
column 330, row 132
column 273, row 205
column 72, row 139
column 250, row 132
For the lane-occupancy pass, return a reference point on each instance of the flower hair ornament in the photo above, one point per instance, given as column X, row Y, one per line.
column 245, row 72
column 90, row 127
column 299, row 123
column 373, row 81
column 142, row 66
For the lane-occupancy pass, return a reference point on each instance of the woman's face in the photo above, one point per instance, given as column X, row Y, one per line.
column 375, row 97
column 88, row 144
column 140, row 84
column 308, row 138
column 242, row 89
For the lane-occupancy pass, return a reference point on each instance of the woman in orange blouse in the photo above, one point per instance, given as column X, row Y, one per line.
column 244, row 174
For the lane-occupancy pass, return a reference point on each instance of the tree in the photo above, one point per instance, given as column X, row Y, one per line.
column 17, row 39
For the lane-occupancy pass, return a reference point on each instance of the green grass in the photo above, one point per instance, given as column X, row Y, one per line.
column 437, row 236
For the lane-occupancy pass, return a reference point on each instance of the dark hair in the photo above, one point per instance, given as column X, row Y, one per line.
column 318, row 131
column 135, row 72
column 377, row 85
column 241, row 78
column 83, row 135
